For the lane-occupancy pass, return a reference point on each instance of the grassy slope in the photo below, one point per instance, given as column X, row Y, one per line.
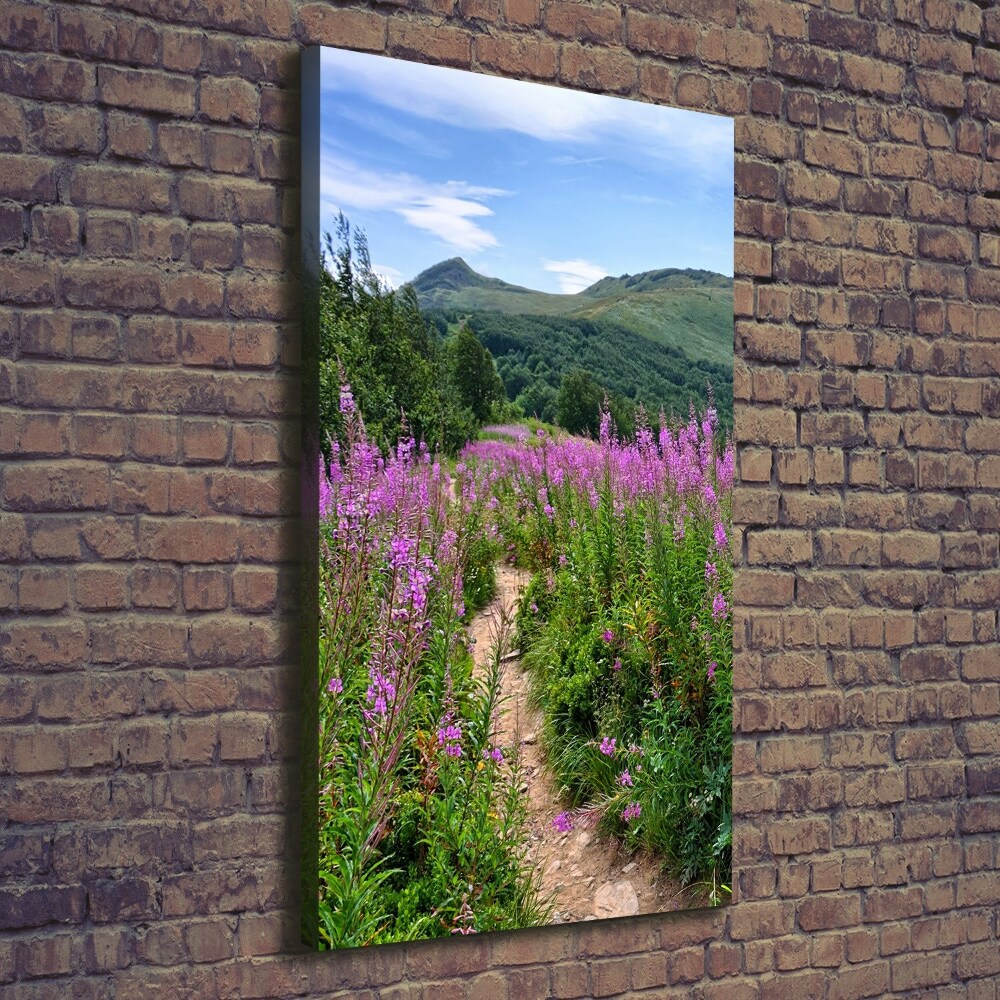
column 692, row 310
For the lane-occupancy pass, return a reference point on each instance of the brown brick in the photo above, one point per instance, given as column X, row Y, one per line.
column 111, row 287
column 583, row 22
column 27, row 26
column 329, row 26
column 451, row 46
column 121, row 187
column 673, row 39
column 835, row 152
column 44, row 76
column 939, row 243
column 89, row 33
column 110, row 234
column 757, row 180
column 734, row 48
column 205, row 589
column 73, row 130
column 182, row 145
column 229, row 100
column 230, row 152
column 101, row 589
column 147, row 90
column 607, row 70
column 872, row 76
column 523, row 57
column 154, row 586
column 940, row 90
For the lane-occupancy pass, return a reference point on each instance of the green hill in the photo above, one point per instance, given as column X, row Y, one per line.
column 688, row 309
column 659, row 338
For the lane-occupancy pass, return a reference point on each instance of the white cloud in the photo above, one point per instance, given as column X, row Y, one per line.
column 446, row 210
column 622, row 128
column 575, row 275
column 390, row 276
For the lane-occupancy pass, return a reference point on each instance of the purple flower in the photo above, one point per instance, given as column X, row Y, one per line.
column 335, row 686
column 607, row 635
column 449, row 737
column 563, row 823
column 720, row 536
column 448, row 733
column 616, row 666
column 711, row 670
column 326, row 500
column 608, row 746
column 632, row 811
column 719, row 606
column 625, row 779
column 346, row 399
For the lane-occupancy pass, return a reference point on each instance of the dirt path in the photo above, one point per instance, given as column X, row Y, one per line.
column 588, row 876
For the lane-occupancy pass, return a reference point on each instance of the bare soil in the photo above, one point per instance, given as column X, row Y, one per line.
column 587, row 875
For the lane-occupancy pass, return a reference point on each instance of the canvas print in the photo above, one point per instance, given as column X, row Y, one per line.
column 521, row 364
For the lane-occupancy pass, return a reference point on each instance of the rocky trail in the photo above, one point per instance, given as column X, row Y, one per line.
column 588, row 876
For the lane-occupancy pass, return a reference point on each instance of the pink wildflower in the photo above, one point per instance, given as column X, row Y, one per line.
column 346, row 399
column 632, row 811
column 719, row 606
column 720, row 536
column 563, row 823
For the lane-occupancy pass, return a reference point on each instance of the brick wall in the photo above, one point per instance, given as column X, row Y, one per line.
column 147, row 495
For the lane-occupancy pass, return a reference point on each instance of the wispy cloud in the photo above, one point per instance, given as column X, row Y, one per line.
column 390, row 127
column 391, row 276
column 575, row 275
column 446, row 209
column 576, row 161
column 556, row 114
column 644, row 199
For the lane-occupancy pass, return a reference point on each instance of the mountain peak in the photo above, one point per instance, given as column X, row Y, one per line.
column 451, row 274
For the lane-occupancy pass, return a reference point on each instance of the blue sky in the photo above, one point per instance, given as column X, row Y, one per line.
column 541, row 186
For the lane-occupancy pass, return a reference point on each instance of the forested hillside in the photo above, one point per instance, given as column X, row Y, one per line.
column 659, row 338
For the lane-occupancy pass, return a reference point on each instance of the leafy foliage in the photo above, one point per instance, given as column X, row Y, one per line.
column 377, row 341
column 422, row 814
column 625, row 627
column 473, row 374
column 534, row 354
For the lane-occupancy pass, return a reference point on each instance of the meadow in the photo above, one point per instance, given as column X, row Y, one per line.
column 624, row 628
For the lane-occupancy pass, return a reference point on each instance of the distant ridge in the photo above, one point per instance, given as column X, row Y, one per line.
column 689, row 308
column 647, row 281
column 436, row 284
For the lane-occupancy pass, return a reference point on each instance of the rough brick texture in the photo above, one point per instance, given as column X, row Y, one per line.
column 147, row 495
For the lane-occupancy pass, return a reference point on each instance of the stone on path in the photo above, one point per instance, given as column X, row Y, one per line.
column 615, row 899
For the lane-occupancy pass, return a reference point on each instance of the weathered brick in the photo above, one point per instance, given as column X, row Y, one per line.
column 229, row 100
column 147, row 90
column 409, row 39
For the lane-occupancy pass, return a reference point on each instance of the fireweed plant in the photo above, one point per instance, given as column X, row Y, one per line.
column 625, row 627
column 423, row 827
